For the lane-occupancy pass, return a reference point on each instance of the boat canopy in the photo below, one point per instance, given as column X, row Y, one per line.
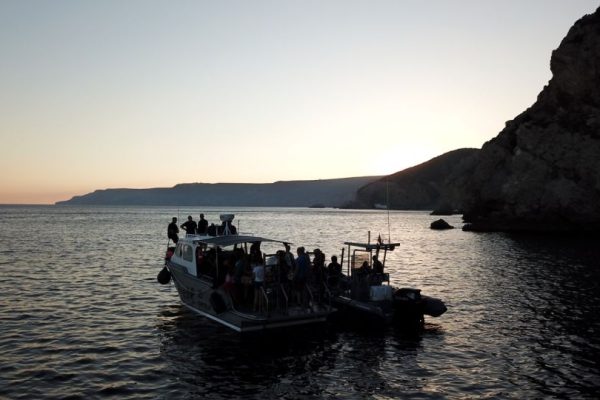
column 374, row 246
column 230, row 240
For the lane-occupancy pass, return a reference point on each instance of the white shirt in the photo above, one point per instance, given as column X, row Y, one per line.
column 259, row 273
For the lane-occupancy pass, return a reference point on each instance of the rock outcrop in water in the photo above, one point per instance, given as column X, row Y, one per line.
column 440, row 224
column 542, row 172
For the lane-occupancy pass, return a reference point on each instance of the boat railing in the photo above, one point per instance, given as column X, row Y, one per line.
column 328, row 293
column 266, row 298
column 285, row 298
column 311, row 298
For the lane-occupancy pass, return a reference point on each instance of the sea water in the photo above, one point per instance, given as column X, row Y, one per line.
column 82, row 315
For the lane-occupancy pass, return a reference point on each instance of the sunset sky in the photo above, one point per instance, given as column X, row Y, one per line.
column 107, row 94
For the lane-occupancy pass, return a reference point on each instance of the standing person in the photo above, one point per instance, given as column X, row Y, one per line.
column 189, row 226
column 202, row 225
column 289, row 259
column 258, row 273
column 318, row 269
column 301, row 273
column 256, row 253
column 377, row 266
column 318, row 273
column 173, row 230
column 334, row 268
column 334, row 271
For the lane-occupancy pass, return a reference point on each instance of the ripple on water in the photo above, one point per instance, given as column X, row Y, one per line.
column 81, row 314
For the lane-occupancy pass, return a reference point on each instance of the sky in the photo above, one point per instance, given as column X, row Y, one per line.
column 140, row 94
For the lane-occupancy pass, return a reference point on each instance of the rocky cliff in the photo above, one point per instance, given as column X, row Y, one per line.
column 416, row 188
column 542, row 171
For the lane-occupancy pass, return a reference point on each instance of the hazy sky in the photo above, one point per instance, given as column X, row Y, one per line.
column 105, row 94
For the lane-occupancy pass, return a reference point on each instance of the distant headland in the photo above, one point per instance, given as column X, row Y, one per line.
column 324, row 192
column 416, row 188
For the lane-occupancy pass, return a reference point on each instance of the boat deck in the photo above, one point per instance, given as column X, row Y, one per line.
column 247, row 322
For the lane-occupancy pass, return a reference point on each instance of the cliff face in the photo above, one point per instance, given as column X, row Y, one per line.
column 542, row 172
column 416, row 188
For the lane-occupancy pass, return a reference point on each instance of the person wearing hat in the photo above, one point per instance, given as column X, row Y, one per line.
column 173, row 230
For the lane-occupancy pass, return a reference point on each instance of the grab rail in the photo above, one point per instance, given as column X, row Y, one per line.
column 285, row 296
column 262, row 289
column 329, row 296
column 312, row 299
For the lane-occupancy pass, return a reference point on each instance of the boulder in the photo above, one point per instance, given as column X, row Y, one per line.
column 440, row 224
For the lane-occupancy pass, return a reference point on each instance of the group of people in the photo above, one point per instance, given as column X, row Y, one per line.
column 376, row 268
column 251, row 280
column 201, row 227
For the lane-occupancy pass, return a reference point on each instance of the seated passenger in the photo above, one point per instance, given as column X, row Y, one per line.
column 365, row 268
column 377, row 266
column 212, row 230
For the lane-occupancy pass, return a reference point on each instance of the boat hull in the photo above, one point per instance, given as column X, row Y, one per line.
column 198, row 295
column 362, row 311
column 378, row 313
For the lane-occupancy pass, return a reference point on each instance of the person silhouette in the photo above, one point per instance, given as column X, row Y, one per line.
column 202, row 225
column 189, row 226
column 173, row 230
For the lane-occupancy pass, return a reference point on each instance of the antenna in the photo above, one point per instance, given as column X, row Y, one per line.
column 387, row 202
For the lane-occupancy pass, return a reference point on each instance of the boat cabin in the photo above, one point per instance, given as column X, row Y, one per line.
column 203, row 256
column 366, row 270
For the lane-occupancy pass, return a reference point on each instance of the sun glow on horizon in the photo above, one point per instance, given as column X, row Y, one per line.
column 100, row 95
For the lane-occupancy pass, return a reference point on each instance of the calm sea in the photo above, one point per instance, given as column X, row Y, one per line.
column 82, row 316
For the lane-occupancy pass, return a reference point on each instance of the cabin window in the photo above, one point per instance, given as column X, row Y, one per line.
column 188, row 253
column 178, row 250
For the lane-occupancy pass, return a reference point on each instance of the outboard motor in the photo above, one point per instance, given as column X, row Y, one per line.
column 432, row 306
column 408, row 307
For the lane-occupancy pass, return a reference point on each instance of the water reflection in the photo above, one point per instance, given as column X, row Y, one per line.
column 321, row 360
column 538, row 308
column 560, row 280
column 213, row 359
column 82, row 314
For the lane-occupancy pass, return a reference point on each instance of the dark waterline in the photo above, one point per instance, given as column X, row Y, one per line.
column 82, row 315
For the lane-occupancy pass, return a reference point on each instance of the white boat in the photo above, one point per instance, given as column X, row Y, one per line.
column 198, row 265
column 366, row 296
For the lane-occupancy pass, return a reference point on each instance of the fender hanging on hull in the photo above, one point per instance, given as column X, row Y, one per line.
column 164, row 276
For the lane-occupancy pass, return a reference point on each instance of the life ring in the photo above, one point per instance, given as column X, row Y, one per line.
column 217, row 302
